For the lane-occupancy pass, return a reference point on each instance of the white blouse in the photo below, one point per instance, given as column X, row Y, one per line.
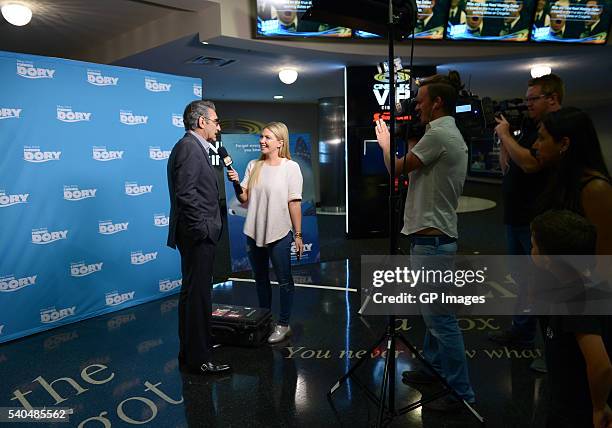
column 268, row 218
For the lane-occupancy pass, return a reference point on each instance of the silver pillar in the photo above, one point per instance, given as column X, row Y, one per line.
column 331, row 154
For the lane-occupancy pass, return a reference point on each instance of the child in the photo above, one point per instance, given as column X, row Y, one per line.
column 577, row 347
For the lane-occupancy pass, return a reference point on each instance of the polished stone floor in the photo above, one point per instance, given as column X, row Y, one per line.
column 121, row 369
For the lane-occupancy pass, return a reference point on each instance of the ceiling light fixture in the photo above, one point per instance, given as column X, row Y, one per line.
column 17, row 14
column 288, row 75
column 540, row 70
column 278, row 97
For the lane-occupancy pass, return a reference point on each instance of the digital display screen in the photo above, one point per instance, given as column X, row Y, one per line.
column 282, row 19
column 569, row 21
column 463, row 109
column 431, row 19
column 500, row 20
column 586, row 21
column 431, row 16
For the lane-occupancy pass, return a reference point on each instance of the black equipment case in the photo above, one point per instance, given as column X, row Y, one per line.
column 240, row 325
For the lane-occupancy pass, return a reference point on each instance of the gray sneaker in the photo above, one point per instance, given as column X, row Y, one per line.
column 281, row 332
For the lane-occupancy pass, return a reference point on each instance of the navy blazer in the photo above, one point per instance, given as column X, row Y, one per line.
column 194, row 194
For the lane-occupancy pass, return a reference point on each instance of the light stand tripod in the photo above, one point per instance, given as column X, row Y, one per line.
column 387, row 409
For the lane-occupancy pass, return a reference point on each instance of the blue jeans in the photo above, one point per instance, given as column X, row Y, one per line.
column 279, row 252
column 443, row 346
column 518, row 239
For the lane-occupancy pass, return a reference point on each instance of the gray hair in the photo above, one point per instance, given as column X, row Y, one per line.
column 194, row 111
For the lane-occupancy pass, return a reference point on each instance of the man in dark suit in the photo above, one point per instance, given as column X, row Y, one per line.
column 477, row 25
column 195, row 228
column 595, row 25
column 516, row 20
column 426, row 16
column 541, row 18
column 456, row 15
column 559, row 27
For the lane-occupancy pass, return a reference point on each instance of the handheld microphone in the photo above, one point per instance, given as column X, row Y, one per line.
column 227, row 161
column 225, row 158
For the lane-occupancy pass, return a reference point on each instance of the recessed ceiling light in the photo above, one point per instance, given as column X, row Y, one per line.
column 278, row 97
column 17, row 14
column 540, row 70
column 288, row 75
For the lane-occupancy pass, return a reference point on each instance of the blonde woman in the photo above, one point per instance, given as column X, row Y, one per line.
column 272, row 186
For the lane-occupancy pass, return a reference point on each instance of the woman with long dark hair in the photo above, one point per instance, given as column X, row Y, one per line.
column 578, row 348
column 568, row 145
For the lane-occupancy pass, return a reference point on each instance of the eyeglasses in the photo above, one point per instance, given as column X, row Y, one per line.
column 215, row 121
column 530, row 100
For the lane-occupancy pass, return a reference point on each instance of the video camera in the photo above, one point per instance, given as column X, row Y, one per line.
column 475, row 118
column 411, row 128
column 514, row 110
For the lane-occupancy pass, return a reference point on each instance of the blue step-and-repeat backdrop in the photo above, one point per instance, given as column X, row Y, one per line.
column 83, row 194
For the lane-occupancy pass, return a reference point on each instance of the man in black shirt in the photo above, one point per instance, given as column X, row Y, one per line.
column 523, row 182
column 578, row 348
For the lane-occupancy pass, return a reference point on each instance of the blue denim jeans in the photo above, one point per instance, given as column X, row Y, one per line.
column 443, row 346
column 518, row 239
column 279, row 252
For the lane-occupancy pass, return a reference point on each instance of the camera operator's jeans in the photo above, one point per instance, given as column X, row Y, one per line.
column 443, row 346
column 279, row 252
column 518, row 239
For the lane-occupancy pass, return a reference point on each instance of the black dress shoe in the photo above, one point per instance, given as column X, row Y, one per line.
column 210, row 368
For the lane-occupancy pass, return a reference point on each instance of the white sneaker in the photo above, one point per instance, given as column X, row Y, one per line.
column 280, row 332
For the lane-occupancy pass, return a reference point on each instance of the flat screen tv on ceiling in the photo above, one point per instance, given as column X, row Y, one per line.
column 431, row 20
column 282, row 19
column 566, row 21
column 497, row 20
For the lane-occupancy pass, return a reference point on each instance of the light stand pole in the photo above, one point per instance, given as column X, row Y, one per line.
column 389, row 374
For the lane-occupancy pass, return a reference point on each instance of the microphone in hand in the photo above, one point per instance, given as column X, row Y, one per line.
column 225, row 157
column 232, row 175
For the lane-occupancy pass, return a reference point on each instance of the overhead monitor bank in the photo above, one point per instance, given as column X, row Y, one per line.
column 539, row 21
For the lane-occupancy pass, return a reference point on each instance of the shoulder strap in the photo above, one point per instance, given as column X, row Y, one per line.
column 595, row 177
